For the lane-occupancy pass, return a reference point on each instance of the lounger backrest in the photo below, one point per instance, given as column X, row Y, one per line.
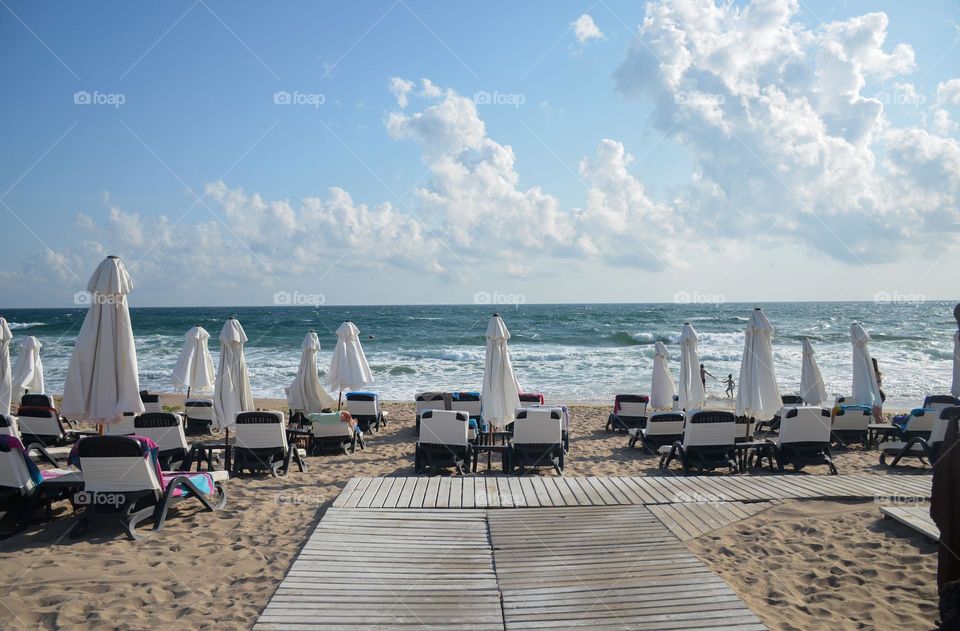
column 791, row 400
column 444, row 427
column 115, row 464
column 846, row 401
column 744, row 429
column 123, row 427
column 530, row 399
column 151, row 402
column 631, row 405
column 943, row 400
column 40, row 422
column 939, row 431
column 664, row 424
column 710, row 428
column 8, row 426
column 468, row 402
column 538, row 426
column 805, row 424
column 37, row 401
column 327, row 424
column 163, row 428
column 431, row 401
column 923, row 420
column 363, row 403
column 852, row 420
column 13, row 468
column 261, row 430
column 199, row 409
column 676, row 404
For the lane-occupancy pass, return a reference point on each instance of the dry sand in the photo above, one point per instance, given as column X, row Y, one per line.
column 800, row 566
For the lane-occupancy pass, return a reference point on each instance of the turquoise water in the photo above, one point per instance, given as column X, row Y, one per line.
column 569, row 352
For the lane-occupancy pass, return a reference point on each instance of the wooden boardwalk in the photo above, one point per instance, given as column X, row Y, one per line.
column 609, row 567
column 916, row 517
column 537, row 491
column 692, row 520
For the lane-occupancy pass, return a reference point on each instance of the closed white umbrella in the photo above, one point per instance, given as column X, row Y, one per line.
column 864, row 387
column 28, row 371
column 306, row 393
column 692, row 394
column 662, row 387
column 955, row 388
column 348, row 367
column 812, row 390
column 231, row 394
column 758, row 396
column 6, row 379
column 501, row 390
column 102, row 381
column 194, row 369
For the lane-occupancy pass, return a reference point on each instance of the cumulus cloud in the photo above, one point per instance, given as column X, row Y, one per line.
column 783, row 134
column 585, row 29
column 400, row 88
column 948, row 92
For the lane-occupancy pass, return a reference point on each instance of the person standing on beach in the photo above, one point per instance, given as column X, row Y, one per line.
column 730, row 386
column 876, row 371
column 703, row 377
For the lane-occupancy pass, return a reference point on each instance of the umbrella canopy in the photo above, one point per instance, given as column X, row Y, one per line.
column 28, row 371
column 662, row 387
column 349, row 368
column 6, row 379
column 865, row 389
column 306, row 393
column 501, row 390
column 102, row 381
column 194, row 369
column 758, row 396
column 955, row 388
column 812, row 390
column 231, row 393
column 692, row 394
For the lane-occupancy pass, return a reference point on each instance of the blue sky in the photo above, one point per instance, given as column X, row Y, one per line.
column 198, row 177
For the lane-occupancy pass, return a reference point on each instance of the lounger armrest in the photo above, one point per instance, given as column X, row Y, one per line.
column 43, row 452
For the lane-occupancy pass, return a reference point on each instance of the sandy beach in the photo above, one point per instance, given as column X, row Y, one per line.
column 800, row 565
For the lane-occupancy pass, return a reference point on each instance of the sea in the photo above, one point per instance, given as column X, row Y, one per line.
column 569, row 352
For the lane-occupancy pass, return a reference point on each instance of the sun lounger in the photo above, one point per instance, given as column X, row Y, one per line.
column 804, row 438
column 166, row 430
column 123, row 427
column 663, row 428
column 328, row 432
column 364, row 407
column 537, row 440
column 471, row 403
column 707, row 444
column 262, row 445
column 151, row 402
column 24, row 487
column 43, row 425
column 745, row 429
column 926, row 449
column 199, row 413
column 531, row 399
column 787, row 401
column 850, row 424
column 443, row 441
column 430, row 401
column 123, row 480
column 9, row 426
column 629, row 412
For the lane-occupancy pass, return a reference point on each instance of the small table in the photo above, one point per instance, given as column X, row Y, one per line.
column 490, row 438
column 490, row 450
column 762, row 448
column 203, row 451
column 876, row 432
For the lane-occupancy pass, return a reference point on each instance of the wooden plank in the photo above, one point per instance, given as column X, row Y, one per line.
column 493, row 493
column 516, row 492
column 503, row 490
column 358, row 492
column 443, row 493
column 469, row 493
column 456, row 492
column 915, row 518
column 430, row 495
column 345, row 493
column 419, row 492
column 529, row 494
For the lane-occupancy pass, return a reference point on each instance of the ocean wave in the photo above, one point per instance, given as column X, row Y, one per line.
column 644, row 338
column 24, row 325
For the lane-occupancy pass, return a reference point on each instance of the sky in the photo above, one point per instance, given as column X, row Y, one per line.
column 406, row 152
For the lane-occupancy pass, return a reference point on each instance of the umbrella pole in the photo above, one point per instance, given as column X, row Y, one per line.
column 226, row 451
column 339, row 399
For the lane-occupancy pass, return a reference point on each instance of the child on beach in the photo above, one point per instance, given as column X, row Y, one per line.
column 730, row 386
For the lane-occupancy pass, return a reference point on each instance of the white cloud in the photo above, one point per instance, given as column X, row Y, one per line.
column 948, row 92
column 400, row 88
column 585, row 29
